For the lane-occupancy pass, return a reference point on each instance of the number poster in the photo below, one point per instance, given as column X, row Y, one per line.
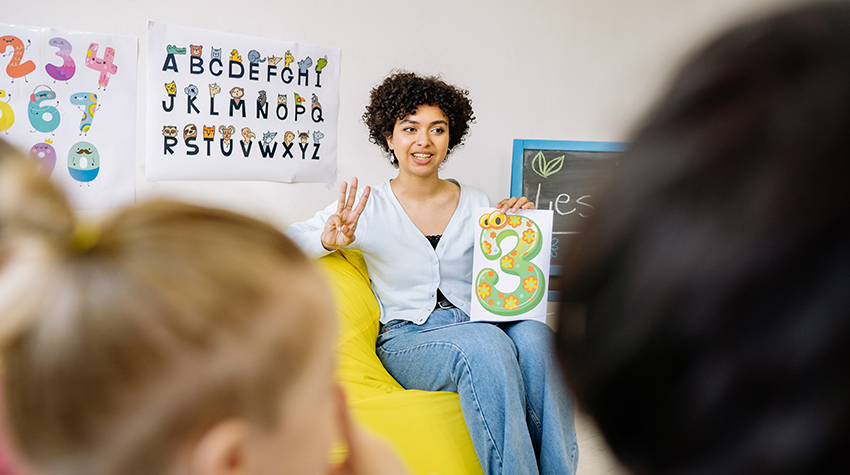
column 222, row 106
column 68, row 99
column 510, row 265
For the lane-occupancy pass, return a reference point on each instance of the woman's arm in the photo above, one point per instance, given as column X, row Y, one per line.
column 323, row 233
column 340, row 226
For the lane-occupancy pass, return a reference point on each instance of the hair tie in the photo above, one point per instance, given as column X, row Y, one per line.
column 84, row 238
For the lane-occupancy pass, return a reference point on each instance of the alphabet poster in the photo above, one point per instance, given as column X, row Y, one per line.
column 69, row 100
column 510, row 265
column 223, row 106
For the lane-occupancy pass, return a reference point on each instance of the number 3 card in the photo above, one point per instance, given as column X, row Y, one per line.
column 510, row 266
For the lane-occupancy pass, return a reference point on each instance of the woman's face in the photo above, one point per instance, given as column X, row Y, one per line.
column 420, row 141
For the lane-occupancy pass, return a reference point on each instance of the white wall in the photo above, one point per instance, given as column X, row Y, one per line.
column 536, row 69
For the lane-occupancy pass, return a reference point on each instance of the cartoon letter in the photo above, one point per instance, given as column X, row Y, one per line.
column 226, row 132
column 254, row 57
column 190, row 131
column 191, row 90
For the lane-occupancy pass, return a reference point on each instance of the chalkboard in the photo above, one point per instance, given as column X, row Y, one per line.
column 564, row 176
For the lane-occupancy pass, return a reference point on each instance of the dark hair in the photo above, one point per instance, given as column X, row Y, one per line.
column 714, row 282
column 402, row 93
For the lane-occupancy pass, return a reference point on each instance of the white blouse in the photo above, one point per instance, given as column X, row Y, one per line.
column 404, row 268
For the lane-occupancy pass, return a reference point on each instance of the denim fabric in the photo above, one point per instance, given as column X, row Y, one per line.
column 518, row 412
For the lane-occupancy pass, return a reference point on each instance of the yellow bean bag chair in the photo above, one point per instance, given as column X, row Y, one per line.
column 425, row 427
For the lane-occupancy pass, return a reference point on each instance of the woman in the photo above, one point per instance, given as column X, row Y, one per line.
column 416, row 234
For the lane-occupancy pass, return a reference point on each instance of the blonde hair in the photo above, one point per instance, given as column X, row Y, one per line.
column 121, row 342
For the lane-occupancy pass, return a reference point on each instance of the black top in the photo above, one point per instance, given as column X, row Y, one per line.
column 434, row 240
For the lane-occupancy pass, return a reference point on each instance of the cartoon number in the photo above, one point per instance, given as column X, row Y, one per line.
column 45, row 155
column 68, row 68
column 497, row 226
column 104, row 65
column 89, row 102
column 43, row 117
column 83, row 162
column 7, row 115
column 15, row 69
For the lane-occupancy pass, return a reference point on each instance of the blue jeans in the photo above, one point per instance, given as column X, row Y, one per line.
column 518, row 412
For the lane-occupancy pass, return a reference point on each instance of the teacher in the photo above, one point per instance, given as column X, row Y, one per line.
column 416, row 233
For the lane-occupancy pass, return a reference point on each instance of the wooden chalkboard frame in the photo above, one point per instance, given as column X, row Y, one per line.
column 521, row 145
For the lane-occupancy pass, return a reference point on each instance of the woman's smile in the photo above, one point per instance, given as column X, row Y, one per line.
column 422, row 158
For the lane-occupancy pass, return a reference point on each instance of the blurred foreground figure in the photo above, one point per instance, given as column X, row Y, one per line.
column 714, row 282
column 172, row 339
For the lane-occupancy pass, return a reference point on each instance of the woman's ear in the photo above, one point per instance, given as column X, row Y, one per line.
column 390, row 142
column 222, row 450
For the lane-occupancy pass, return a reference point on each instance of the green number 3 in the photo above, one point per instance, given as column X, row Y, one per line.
column 497, row 226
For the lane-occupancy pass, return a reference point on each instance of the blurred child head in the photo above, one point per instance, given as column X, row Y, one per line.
column 170, row 339
column 715, row 278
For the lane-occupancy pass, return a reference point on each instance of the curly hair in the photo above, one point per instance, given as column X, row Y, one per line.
column 402, row 93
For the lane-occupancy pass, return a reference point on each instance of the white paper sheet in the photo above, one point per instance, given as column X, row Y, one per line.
column 222, row 106
column 510, row 266
column 68, row 98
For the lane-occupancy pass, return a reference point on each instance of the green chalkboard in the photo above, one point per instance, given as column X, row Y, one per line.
column 564, row 176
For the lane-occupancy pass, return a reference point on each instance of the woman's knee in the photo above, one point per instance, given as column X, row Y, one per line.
column 530, row 334
column 485, row 347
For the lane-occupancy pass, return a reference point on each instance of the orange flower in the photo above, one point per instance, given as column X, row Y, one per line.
column 508, row 262
column 483, row 290
column 493, row 235
column 530, row 283
column 486, row 247
column 514, row 221
column 529, row 235
column 511, row 302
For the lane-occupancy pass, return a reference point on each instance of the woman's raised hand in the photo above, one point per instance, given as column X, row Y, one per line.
column 340, row 227
column 514, row 204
